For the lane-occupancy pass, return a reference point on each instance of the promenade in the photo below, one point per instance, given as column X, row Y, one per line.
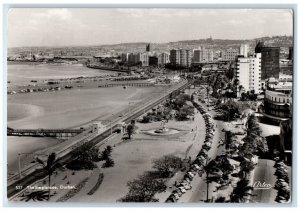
column 66, row 147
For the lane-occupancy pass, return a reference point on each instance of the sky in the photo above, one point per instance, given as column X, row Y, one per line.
column 30, row 27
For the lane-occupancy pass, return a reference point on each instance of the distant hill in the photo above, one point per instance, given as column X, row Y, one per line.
column 215, row 44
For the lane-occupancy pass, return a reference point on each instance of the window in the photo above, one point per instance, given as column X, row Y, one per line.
column 283, row 100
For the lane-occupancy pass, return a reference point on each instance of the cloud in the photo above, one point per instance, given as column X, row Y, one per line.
column 53, row 14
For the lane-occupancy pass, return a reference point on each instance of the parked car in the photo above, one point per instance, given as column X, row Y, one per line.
column 186, row 186
column 181, row 189
column 177, row 194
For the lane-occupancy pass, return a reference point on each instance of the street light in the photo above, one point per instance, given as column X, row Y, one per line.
column 19, row 160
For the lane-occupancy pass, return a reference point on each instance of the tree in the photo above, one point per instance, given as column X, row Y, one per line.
column 209, row 168
column 180, row 100
column 36, row 196
column 109, row 162
column 84, row 157
column 166, row 164
column 230, row 111
column 220, row 200
column 246, row 167
column 254, row 135
column 49, row 167
column 130, row 129
column 184, row 112
column 222, row 163
column 241, row 191
column 230, row 73
column 143, row 189
column 106, row 153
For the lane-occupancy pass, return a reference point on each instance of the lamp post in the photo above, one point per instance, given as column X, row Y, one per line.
column 19, row 160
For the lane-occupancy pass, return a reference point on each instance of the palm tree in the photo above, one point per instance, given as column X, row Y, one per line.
column 241, row 191
column 209, row 168
column 49, row 167
column 130, row 128
column 35, row 196
column 240, row 89
column 246, row 167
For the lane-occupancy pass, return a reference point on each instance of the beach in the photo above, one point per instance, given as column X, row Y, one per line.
column 21, row 74
column 64, row 109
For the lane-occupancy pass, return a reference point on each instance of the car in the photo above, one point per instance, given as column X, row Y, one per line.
column 181, row 189
column 177, row 193
column 191, row 174
column 186, row 186
column 189, row 177
column 196, row 167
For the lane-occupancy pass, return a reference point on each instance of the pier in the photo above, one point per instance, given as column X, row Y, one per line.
column 127, row 84
column 57, row 133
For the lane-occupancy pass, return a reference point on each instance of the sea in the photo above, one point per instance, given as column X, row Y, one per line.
column 60, row 109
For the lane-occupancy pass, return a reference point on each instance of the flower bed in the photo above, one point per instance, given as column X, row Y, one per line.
column 73, row 192
column 97, row 185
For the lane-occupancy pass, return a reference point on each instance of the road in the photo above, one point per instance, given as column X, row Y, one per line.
column 264, row 172
column 198, row 192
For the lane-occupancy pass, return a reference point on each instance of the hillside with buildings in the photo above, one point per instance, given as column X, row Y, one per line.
column 215, row 44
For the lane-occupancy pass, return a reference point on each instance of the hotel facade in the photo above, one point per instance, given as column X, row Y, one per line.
column 248, row 73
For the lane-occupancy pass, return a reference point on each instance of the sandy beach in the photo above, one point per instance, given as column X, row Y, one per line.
column 69, row 108
column 19, row 74
column 65, row 109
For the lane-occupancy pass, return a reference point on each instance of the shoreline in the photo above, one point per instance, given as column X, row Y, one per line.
column 94, row 114
column 108, row 69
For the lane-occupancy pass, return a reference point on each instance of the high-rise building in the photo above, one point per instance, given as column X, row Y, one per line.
column 124, row 57
column 230, row 54
column 181, row 57
column 144, row 58
column 135, row 58
column 203, row 55
column 269, row 60
column 175, row 57
column 149, row 47
column 163, row 59
column 185, row 57
column 248, row 73
column 244, row 50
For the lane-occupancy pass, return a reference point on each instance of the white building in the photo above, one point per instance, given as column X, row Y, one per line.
column 144, row 58
column 163, row 59
column 203, row 55
column 230, row 54
column 249, row 73
column 244, row 50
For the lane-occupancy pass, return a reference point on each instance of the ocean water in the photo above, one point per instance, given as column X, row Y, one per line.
column 62, row 109
column 21, row 74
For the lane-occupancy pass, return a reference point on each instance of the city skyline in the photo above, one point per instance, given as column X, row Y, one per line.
column 57, row 27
